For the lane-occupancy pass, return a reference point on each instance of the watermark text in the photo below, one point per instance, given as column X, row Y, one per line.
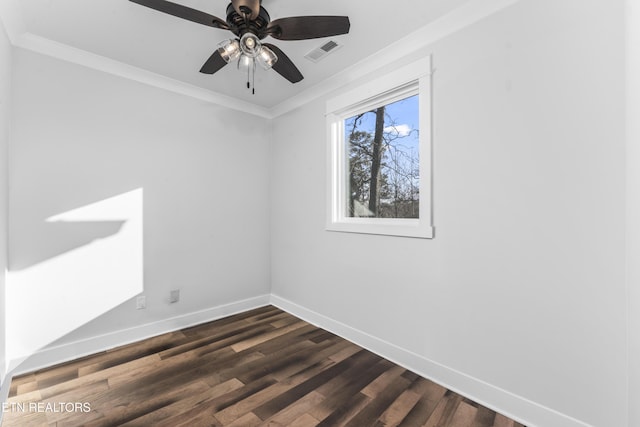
column 52, row 407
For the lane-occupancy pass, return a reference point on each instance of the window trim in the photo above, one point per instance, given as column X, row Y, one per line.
column 411, row 79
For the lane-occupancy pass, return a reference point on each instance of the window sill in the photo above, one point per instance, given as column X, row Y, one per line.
column 385, row 227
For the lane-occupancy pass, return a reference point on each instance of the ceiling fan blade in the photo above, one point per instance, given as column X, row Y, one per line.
column 284, row 66
column 308, row 27
column 251, row 8
column 184, row 12
column 213, row 64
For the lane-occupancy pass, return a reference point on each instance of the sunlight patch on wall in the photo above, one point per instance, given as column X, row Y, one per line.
column 55, row 296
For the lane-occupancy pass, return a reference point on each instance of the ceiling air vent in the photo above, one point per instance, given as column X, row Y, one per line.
column 320, row 52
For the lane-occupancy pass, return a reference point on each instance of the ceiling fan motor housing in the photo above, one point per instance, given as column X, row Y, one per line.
column 239, row 25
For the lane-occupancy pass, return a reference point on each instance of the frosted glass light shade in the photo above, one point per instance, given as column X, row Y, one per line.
column 266, row 57
column 246, row 62
column 229, row 50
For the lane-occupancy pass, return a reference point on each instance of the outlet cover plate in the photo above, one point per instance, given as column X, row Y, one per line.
column 141, row 302
column 174, row 296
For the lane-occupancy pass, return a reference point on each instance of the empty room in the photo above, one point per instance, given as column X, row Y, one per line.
column 322, row 213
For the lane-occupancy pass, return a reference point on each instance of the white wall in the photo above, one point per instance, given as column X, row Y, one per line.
column 633, row 204
column 523, row 288
column 5, row 90
column 82, row 137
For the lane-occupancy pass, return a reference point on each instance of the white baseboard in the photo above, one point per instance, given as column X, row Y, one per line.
column 520, row 409
column 54, row 355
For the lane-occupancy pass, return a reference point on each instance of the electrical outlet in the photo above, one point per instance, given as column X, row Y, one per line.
column 141, row 302
column 174, row 296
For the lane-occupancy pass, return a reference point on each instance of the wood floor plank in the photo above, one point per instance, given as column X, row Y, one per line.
column 399, row 409
column 305, row 420
column 248, row 420
column 382, row 382
column 268, row 409
column 99, row 376
column 279, row 341
column 302, row 361
column 369, row 414
column 274, row 363
column 464, row 415
column 450, row 409
column 428, row 389
column 155, row 417
column 26, row 419
column 23, row 384
column 484, row 417
column 344, row 413
column 348, row 351
column 242, row 407
column 262, row 367
column 25, row 388
column 118, row 408
column 502, row 421
column 347, row 387
column 248, row 343
column 320, row 335
column 215, row 404
column 132, row 352
column 424, row 410
column 216, row 341
column 295, row 410
column 283, row 322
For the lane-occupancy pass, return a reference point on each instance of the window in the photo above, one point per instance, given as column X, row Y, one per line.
column 380, row 155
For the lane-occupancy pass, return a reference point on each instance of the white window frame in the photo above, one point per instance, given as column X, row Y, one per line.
column 398, row 84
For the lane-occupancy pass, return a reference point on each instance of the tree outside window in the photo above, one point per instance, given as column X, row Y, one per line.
column 383, row 161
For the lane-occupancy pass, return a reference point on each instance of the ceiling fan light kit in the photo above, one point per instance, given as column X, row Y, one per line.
column 251, row 23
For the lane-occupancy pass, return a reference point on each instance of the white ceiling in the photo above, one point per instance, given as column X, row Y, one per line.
column 172, row 47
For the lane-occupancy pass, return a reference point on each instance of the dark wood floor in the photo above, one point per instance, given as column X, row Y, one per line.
column 263, row 367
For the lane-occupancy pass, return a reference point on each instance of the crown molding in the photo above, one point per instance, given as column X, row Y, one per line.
column 74, row 55
column 11, row 17
column 461, row 17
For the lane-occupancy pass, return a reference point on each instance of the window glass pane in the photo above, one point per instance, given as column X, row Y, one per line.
column 382, row 168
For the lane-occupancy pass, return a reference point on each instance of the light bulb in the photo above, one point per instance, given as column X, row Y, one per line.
column 250, row 45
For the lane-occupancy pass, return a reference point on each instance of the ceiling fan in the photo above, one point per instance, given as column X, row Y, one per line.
column 251, row 23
